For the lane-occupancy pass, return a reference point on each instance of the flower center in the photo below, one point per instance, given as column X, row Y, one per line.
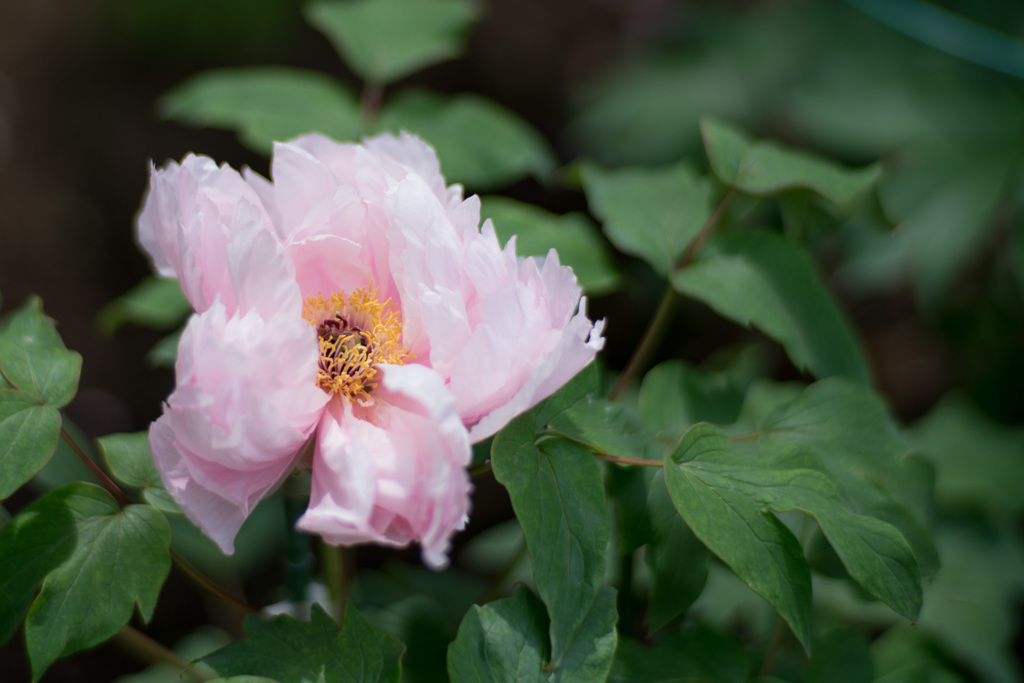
column 356, row 334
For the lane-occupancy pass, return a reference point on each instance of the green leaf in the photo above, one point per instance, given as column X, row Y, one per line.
column 79, row 545
column 38, row 375
column 675, row 395
column 33, row 359
column 386, row 40
column 480, row 143
column 767, row 168
column 990, row 479
column 29, row 434
column 156, row 302
column 502, row 641
column 290, row 650
column 738, row 528
column 764, row 280
column 844, row 431
column 677, row 559
column 165, row 352
column 558, row 496
column 573, row 236
column 264, row 104
column 128, row 458
column 696, row 654
column 506, row 640
column 651, row 213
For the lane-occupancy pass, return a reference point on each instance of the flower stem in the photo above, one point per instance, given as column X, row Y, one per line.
column 621, row 459
column 369, row 102
column 100, row 474
column 336, row 573
column 648, row 343
column 148, row 650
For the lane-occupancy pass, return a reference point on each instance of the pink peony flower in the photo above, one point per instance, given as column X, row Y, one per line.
column 352, row 317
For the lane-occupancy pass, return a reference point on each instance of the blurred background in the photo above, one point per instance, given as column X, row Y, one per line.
column 932, row 274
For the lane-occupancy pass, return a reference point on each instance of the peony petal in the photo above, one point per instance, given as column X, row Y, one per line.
column 394, row 472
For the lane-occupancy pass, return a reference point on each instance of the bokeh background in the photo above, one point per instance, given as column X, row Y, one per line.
column 932, row 277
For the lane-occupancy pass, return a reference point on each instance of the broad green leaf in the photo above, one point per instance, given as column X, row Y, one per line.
column 480, row 143
column 844, row 431
column 651, row 213
column 504, row 641
column 386, row 40
column 264, row 104
column 29, row 434
column 605, row 427
column 979, row 464
column 129, row 460
column 156, row 302
column 764, row 280
column 79, row 545
column 738, row 528
column 627, row 494
column 840, row 657
column 290, row 650
column 573, row 236
column 33, row 359
column 678, row 561
column 767, row 168
column 696, row 654
column 559, row 499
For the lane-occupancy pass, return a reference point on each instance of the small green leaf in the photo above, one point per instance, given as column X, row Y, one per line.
column 573, row 236
column 29, row 434
column 677, row 559
column 315, row 652
column 480, row 143
column 738, row 527
column 264, row 104
column 33, row 359
column 79, row 545
column 130, row 461
column 651, row 213
column 558, row 496
column 501, row 642
column 767, row 168
column 156, row 302
column 386, row 40
column 764, row 280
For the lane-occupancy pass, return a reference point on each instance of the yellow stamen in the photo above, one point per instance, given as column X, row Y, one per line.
column 356, row 333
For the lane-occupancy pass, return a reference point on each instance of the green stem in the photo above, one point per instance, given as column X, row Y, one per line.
column 639, row 462
column 208, row 584
column 649, row 342
column 336, row 574
column 480, row 469
column 148, row 650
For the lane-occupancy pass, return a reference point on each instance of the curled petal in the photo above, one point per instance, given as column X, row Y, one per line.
column 393, row 472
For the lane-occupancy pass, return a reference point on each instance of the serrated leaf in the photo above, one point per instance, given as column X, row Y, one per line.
column 386, row 40
column 696, row 654
column 651, row 213
column 845, row 432
column 78, row 543
column 739, row 529
column 558, row 496
column 290, row 650
column 156, row 302
column 130, row 462
column 767, row 168
column 264, row 104
column 678, row 561
column 480, row 143
column 29, row 434
column 33, row 358
column 764, row 280
column 572, row 235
